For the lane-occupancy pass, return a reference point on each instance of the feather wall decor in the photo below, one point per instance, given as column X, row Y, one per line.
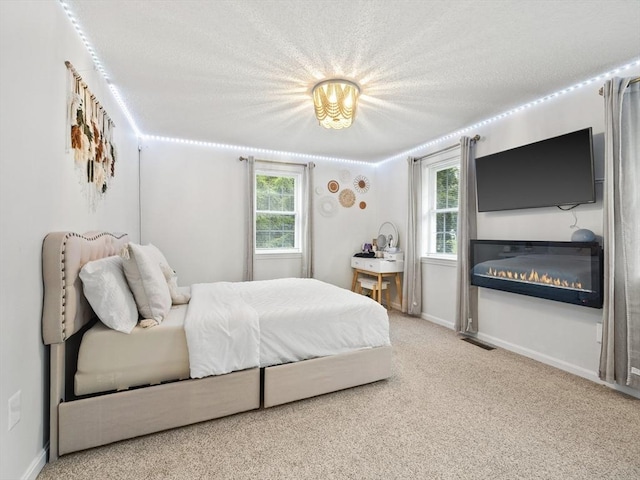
column 90, row 138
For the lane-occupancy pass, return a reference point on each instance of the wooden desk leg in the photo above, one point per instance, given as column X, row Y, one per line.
column 380, row 288
column 355, row 280
column 399, row 288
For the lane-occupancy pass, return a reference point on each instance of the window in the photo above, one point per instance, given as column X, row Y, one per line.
column 440, row 205
column 278, row 207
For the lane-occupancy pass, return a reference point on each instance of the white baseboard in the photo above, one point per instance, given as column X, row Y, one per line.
column 394, row 306
column 439, row 321
column 554, row 362
column 37, row 465
column 540, row 357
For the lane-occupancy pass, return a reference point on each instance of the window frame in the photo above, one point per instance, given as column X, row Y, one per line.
column 430, row 170
column 280, row 171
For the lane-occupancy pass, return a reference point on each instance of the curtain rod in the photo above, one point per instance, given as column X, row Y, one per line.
column 475, row 138
column 244, row 159
column 633, row 80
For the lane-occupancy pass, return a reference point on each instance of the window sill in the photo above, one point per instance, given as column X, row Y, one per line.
column 436, row 260
column 275, row 255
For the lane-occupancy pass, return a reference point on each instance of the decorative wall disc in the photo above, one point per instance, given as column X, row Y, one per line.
column 319, row 190
column 363, row 205
column 327, row 206
column 361, row 184
column 347, row 198
column 345, row 176
column 333, row 186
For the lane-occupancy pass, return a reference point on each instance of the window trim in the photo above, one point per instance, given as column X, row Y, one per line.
column 429, row 174
column 281, row 171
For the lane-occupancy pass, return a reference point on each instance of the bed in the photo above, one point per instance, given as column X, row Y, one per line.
column 97, row 397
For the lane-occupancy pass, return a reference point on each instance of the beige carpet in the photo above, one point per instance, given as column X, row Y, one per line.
column 451, row 411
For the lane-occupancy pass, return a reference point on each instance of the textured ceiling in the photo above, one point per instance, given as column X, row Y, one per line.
column 240, row 72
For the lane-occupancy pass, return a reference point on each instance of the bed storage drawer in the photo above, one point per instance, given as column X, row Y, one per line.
column 295, row 381
column 108, row 418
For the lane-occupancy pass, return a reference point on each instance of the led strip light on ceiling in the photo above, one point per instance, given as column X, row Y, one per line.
column 99, row 67
column 245, row 149
column 500, row 116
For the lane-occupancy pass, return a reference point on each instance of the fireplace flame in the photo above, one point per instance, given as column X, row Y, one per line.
column 534, row 277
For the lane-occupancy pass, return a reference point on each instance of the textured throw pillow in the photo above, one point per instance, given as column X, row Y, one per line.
column 147, row 282
column 105, row 287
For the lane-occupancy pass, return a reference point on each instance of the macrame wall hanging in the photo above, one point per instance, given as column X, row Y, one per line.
column 90, row 136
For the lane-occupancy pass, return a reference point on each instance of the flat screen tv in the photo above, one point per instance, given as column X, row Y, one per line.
column 553, row 172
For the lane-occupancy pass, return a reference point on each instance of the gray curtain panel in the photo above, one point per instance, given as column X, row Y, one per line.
column 466, row 320
column 620, row 354
column 307, row 219
column 412, row 289
column 249, row 221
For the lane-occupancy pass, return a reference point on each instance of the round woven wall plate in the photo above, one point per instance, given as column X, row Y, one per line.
column 333, row 186
column 327, row 206
column 347, row 198
column 361, row 184
column 363, row 205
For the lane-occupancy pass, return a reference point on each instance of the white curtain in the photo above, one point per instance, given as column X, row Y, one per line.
column 620, row 354
column 412, row 290
column 466, row 320
column 307, row 221
column 249, row 221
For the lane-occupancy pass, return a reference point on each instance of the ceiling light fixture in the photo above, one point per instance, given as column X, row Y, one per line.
column 335, row 103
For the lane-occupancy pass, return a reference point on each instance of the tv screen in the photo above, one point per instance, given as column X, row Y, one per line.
column 556, row 171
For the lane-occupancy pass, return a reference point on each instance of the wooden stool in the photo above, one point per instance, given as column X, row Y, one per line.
column 372, row 284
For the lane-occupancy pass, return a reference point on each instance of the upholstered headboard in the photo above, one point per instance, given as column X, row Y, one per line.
column 65, row 309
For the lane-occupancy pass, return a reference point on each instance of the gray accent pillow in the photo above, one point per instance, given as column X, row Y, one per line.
column 147, row 282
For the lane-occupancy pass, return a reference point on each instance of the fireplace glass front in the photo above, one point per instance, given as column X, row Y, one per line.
column 568, row 272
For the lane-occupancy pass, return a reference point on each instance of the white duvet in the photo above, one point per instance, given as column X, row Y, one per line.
column 223, row 333
column 233, row 326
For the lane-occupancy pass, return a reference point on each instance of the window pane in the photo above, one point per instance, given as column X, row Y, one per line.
column 275, row 230
column 276, row 194
column 446, row 232
column 447, row 188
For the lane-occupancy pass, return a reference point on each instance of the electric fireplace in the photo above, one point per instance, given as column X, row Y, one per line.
column 568, row 272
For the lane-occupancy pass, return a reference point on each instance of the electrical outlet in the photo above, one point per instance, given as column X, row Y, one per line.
column 15, row 405
column 598, row 332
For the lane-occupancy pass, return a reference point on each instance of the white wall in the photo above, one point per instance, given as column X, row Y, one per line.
column 193, row 209
column 40, row 192
column 560, row 334
column 391, row 178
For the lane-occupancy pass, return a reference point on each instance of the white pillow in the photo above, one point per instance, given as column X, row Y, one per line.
column 107, row 291
column 147, row 282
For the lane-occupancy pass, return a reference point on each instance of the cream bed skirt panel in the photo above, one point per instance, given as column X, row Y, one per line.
column 295, row 381
column 109, row 360
column 96, row 421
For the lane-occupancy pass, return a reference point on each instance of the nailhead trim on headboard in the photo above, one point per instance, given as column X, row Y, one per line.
column 56, row 326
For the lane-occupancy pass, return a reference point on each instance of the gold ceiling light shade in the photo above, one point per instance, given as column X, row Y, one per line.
column 335, row 103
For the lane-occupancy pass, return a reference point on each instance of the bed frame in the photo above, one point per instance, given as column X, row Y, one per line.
column 77, row 423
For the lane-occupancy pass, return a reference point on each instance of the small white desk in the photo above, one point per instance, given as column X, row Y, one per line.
column 378, row 267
